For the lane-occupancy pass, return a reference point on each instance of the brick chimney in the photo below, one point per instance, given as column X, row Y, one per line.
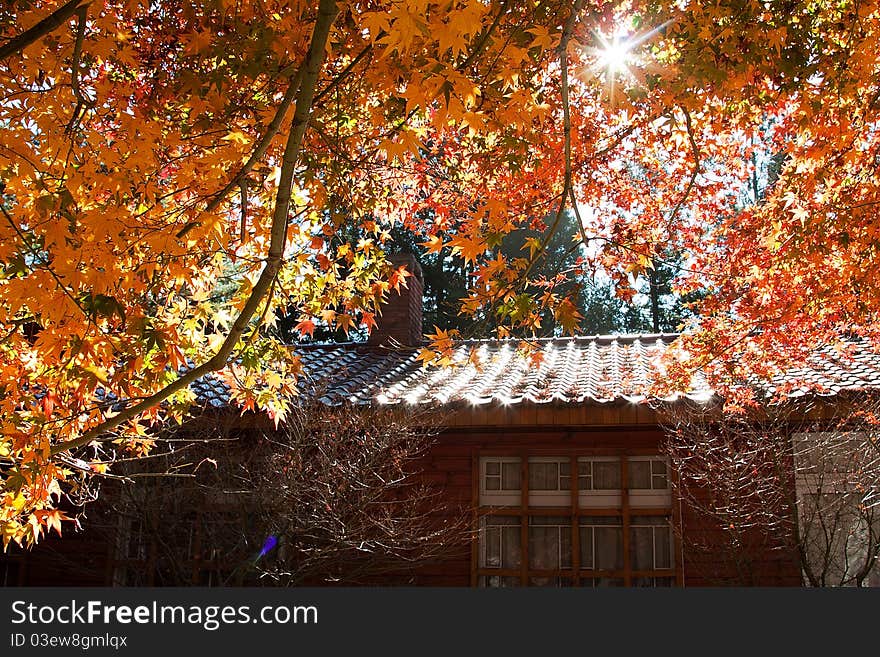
column 401, row 320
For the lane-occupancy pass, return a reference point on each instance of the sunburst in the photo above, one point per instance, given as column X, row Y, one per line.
column 618, row 54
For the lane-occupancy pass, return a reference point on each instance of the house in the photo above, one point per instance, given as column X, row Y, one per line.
column 563, row 465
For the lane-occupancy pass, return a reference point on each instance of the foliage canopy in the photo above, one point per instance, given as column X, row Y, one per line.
column 151, row 151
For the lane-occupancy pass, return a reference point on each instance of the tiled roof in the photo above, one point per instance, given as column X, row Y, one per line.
column 576, row 370
column 829, row 371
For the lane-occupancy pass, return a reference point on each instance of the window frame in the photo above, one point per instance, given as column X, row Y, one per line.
column 573, row 505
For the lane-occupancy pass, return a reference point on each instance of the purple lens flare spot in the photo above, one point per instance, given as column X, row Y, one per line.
column 268, row 545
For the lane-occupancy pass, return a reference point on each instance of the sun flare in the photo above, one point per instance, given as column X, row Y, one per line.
column 615, row 55
column 620, row 57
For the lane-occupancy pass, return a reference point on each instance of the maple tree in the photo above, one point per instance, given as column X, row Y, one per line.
column 150, row 150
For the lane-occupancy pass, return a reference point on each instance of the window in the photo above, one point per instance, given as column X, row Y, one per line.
column 647, row 474
column 502, row 475
column 650, row 542
column 648, row 482
column 598, row 474
column 601, row 543
column 837, row 530
column 501, row 542
column 549, row 542
column 500, row 480
column 588, row 520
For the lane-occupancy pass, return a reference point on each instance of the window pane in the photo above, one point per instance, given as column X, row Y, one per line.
column 549, row 581
column 492, row 537
column 596, row 582
column 565, row 546
column 642, row 548
column 609, row 548
column 601, row 542
column 493, row 483
column 549, row 542
column 659, row 476
column 606, row 475
column 564, row 483
column 585, row 482
column 639, row 474
column 662, row 547
column 543, row 476
column 660, row 482
column 493, row 468
column 652, row 581
column 496, row 581
column 586, row 538
column 510, row 476
column 511, row 553
column 501, row 542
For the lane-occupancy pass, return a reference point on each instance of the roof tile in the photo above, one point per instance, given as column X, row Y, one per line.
column 598, row 369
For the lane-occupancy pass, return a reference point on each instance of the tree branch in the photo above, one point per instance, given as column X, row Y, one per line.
column 52, row 22
column 696, row 151
column 327, row 13
column 82, row 15
column 258, row 152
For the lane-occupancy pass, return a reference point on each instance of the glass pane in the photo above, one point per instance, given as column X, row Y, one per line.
column 493, row 468
column 510, row 476
column 565, row 546
column 597, row 582
column 585, row 482
column 639, row 474
column 496, row 581
column 564, row 468
column 543, row 476
column 660, row 521
column 564, row 483
column 641, row 582
column 659, row 476
column 606, row 475
column 549, row 581
column 660, row 482
column 662, row 547
column 586, row 548
column 549, row 543
column 493, row 483
column 652, row 581
column 543, row 548
column 492, row 550
column 609, row 548
column 501, row 542
column 584, row 468
column 642, row 548
column 511, row 553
